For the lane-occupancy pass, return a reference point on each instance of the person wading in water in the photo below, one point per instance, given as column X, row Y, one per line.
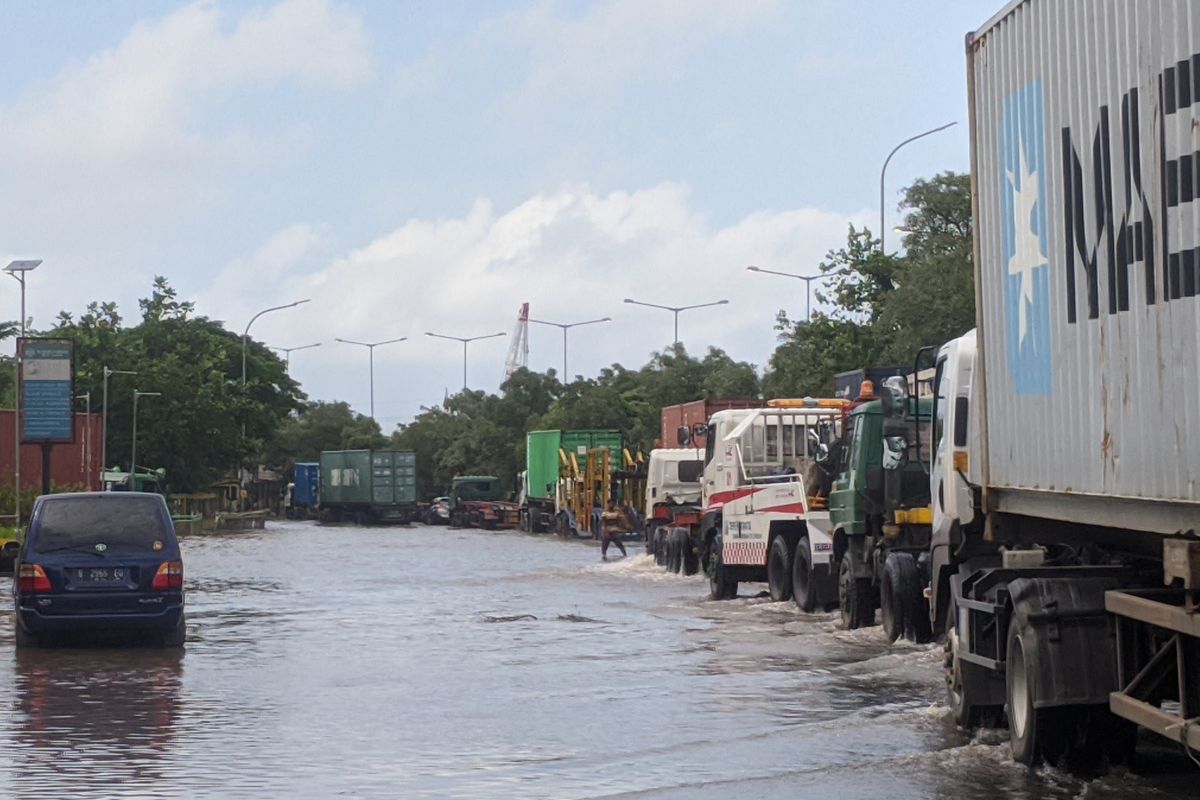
column 612, row 528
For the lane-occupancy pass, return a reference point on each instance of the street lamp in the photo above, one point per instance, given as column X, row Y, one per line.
column 808, row 279
column 133, row 455
column 245, row 337
column 565, row 327
column 287, row 353
column 371, row 349
column 676, row 310
column 883, row 172
column 17, row 269
column 104, row 419
column 465, row 341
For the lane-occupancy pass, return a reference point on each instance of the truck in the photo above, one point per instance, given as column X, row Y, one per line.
column 478, row 501
column 1064, row 561
column 685, row 425
column 303, row 493
column 568, row 472
column 879, row 511
column 765, row 502
column 367, row 486
column 673, row 500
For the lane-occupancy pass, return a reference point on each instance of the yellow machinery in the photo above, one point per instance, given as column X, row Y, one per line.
column 592, row 483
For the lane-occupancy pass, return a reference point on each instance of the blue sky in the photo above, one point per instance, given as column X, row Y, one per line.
column 430, row 166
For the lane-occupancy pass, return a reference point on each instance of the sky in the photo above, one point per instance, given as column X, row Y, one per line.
column 413, row 167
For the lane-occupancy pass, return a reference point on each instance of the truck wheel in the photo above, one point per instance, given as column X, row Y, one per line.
column 854, row 596
column 689, row 563
column 804, row 590
column 1035, row 733
column 779, row 570
column 660, row 546
column 675, row 550
column 720, row 587
column 900, row 596
column 651, row 532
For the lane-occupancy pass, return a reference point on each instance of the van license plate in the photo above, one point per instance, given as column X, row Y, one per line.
column 102, row 575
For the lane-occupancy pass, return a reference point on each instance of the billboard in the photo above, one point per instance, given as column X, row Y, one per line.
column 47, row 390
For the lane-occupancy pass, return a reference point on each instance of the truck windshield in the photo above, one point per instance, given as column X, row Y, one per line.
column 116, row 521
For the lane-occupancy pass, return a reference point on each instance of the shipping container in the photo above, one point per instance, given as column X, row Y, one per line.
column 542, row 464
column 75, row 465
column 306, row 479
column 694, row 416
column 580, row 441
column 1066, row 471
column 368, row 485
column 1088, row 223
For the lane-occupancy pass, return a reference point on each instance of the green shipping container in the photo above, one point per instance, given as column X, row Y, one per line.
column 579, row 442
column 377, row 478
column 541, row 463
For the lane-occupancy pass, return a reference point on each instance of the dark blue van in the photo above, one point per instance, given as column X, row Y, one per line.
column 99, row 563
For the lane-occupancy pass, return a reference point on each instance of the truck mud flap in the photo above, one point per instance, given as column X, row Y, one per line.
column 1075, row 657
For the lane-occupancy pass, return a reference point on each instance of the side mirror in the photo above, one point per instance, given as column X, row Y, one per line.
column 895, row 452
column 698, row 430
column 683, row 435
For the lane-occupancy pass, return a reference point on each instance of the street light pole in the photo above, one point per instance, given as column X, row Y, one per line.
column 371, row 349
column 245, row 338
column 676, row 309
column 287, row 354
column 104, row 419
column 86, row 397
column 565, row 327
column 133, row 454
column 808, row 279
column 465, row 341
column 17, row 269
column 883, row 172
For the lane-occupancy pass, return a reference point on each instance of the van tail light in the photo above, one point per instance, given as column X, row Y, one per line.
column 169, row 576
column 32, row 578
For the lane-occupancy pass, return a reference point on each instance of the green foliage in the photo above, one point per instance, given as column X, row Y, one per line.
column 322, row 426
column 480, row 433
column 194, row 430
column 885, row 306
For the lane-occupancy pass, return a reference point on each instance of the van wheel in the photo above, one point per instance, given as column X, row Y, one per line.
column 804, row 591
column 176, row 636
column 779, row 570
column 854, row 596
column 22, row 637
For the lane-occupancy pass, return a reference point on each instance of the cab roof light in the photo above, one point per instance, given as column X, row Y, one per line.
column 808, row 402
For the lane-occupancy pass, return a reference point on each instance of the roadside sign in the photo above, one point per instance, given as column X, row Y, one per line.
column 47, row 390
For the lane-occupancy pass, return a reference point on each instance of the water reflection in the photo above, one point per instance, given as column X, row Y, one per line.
column 95, row 717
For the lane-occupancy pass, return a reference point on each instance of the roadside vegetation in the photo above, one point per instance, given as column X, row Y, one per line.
column 874, row 309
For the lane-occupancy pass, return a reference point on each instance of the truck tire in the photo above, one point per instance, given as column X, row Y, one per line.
column 779, row 570
column 855, row 598
column 660, row 546
column 689, row 562
column 900, row 599
column 804, row 589
column 720, row 587
column 651, row 532
column 968, row 711
column 1035, row 734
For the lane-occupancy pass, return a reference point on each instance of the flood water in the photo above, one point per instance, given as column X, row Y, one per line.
column 429, row 662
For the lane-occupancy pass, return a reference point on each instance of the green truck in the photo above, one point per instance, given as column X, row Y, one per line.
column 545, row 452
column 880, row 515
column 368, row 486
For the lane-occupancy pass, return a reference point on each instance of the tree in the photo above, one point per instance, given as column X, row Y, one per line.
column 885, row 307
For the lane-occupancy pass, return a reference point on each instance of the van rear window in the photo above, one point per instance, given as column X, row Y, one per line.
column 115, row 521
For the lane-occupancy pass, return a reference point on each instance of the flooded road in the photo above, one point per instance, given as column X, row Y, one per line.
column 419, row 662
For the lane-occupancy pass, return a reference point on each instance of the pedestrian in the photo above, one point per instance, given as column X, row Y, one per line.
column 611, row 530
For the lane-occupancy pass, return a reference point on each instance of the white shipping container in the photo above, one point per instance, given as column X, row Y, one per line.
column 1086, row 166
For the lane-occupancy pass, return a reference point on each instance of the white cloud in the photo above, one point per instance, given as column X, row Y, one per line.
column 573, row 254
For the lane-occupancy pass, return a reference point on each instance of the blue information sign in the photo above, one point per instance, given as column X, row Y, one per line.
column 47, row 390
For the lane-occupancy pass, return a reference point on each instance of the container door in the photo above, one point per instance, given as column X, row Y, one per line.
column 383, row 479
column 406, row 477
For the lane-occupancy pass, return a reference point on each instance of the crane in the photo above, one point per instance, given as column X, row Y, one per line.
column 518, row 351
